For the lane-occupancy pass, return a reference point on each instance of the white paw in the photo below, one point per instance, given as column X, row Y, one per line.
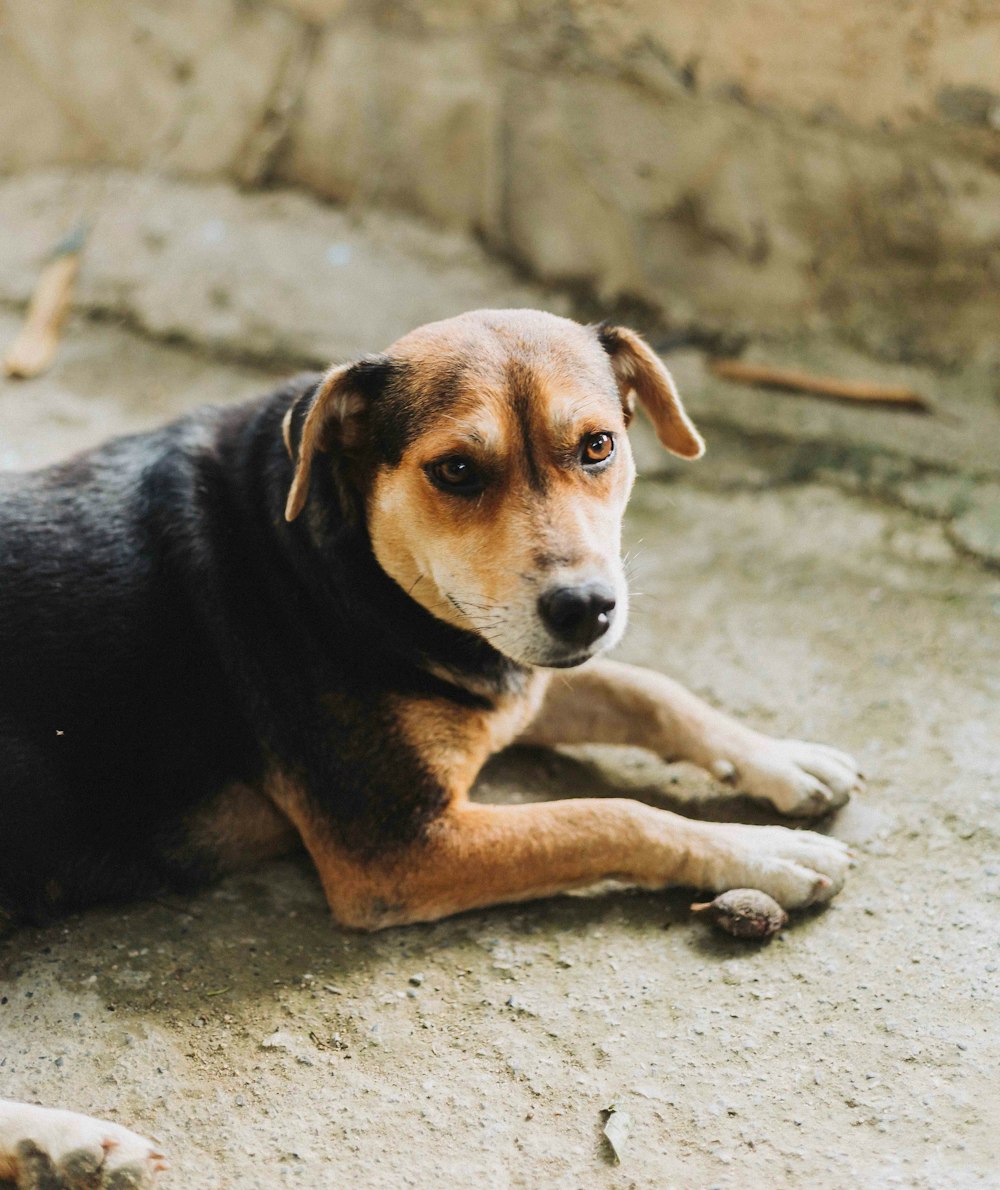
column 799, row 779
column 54, row 1149
column 795, row 867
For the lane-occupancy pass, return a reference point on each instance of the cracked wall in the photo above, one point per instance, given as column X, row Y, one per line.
column 752, row 167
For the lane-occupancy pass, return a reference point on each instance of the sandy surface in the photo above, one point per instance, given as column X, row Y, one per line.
column 263, row 1046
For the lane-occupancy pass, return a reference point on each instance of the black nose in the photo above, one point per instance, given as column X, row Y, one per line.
column 577, row 615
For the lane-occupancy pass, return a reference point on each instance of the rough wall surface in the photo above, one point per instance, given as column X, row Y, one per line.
column 733, row 165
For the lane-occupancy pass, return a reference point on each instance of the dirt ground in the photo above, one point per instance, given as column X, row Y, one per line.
column 263, row 1046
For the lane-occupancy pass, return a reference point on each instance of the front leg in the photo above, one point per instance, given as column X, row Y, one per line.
column 395, row 838
column 614, row 703
column 475, row 855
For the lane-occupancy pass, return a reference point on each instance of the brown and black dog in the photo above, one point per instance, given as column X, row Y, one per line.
column 310, row 619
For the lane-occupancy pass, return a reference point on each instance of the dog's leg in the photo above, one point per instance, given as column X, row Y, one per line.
column 42, row 1148
column 610, row 702
column 475, row 855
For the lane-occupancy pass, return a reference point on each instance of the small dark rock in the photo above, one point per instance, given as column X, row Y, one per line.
column 745, row 913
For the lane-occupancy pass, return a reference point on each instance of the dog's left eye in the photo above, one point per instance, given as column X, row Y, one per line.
column 456, row 474
column 597, row 448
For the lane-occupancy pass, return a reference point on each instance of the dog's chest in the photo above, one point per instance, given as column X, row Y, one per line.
column 455, row 741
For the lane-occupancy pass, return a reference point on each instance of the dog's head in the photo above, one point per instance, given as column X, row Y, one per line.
column 491, row 454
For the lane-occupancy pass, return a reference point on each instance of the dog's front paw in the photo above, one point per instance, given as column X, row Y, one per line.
column 61, row 1150
column 796, row 867
column 799, row 779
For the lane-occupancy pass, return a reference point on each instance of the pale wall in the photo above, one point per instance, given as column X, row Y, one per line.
column 738, row 165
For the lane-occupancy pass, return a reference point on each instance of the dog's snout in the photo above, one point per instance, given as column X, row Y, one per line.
column 578, row 615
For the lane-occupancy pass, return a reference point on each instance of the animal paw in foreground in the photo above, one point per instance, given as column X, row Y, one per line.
column 800, row 779
column 47, row 1149
column 795, row 867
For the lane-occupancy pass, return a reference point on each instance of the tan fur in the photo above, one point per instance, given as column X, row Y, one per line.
column 614, row 703
column 640, row 370
column 455, row 741
column 355, row 890
column 463, row 560
column 242, row 826
column 334, row 409
column 476, row 855
column 524, row 390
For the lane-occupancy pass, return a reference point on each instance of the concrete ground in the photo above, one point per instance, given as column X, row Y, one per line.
column 263, row 1046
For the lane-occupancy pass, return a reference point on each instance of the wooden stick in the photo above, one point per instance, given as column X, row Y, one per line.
column 36, row 343
column 824, row 386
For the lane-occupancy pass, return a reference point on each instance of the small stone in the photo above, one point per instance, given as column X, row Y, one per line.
column 416, row 980
column 745, row 913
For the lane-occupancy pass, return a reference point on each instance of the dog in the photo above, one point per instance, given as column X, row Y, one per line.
column 310, row 619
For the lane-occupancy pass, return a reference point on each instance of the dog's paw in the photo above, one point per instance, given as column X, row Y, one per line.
column 799, row 779
column 796, row 867
column 61, row 1150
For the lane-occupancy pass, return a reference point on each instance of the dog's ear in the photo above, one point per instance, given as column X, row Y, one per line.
column 332, row 416
column 640, row 372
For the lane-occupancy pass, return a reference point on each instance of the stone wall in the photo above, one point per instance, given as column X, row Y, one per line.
column 764, row 167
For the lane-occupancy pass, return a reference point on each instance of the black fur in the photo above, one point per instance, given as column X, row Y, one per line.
column 164, row 632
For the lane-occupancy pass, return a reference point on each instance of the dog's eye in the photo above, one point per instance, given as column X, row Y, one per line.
column 597, row 448
column 456, row 474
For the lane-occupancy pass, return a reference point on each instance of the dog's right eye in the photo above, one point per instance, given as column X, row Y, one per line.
column 456, row 474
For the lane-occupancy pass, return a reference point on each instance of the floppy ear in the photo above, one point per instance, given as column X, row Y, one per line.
column 639, row 371
column 334, row 415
